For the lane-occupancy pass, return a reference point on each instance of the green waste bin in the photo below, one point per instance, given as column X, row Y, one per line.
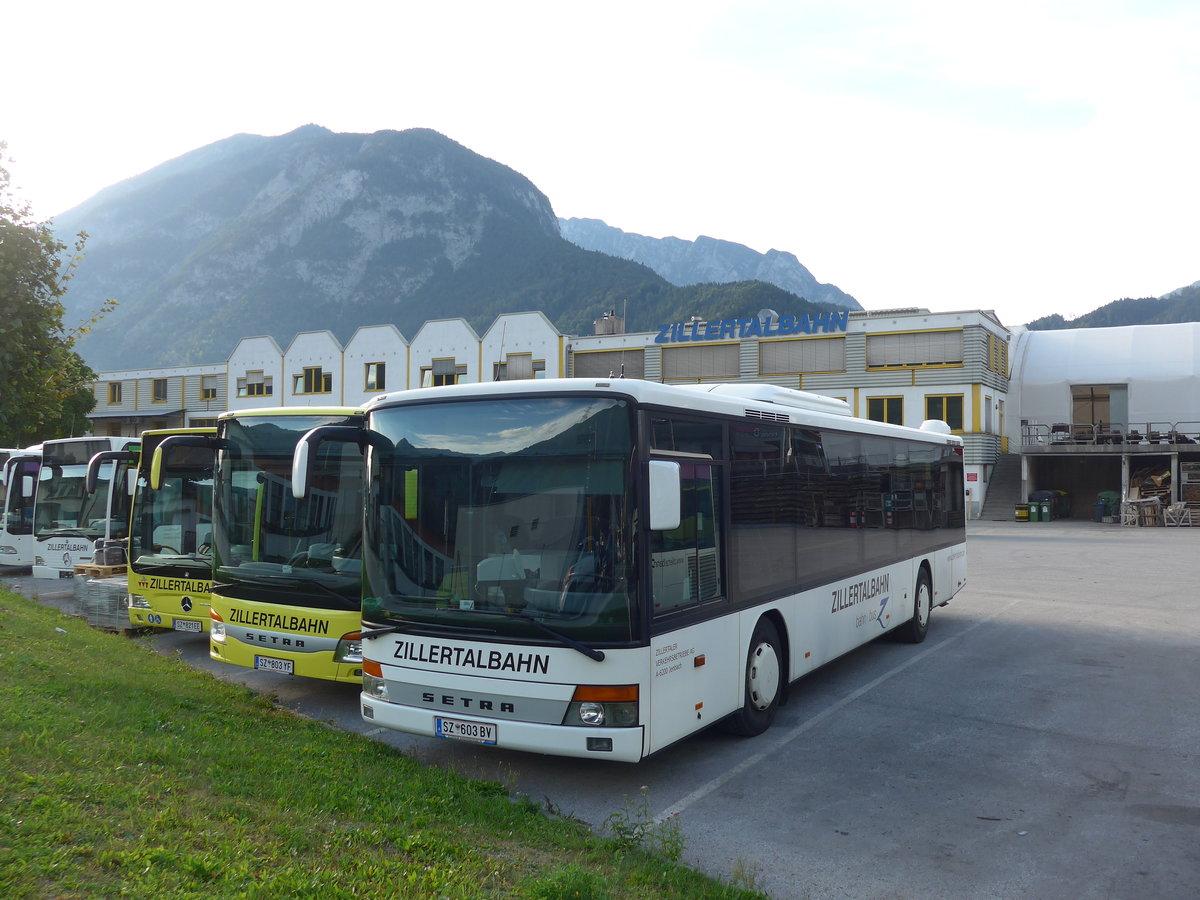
column 1046, row 506
column 1035, row 512
column 1112, row 502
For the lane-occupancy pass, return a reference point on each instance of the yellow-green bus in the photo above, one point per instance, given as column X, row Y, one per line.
column 287, row 573
column 170, row 536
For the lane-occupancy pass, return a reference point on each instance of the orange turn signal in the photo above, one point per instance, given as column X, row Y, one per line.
column 606, row 693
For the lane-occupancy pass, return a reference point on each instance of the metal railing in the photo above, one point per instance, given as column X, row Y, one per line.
column 1088, row 433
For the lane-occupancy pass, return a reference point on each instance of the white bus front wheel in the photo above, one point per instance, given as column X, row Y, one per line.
column 764, row 681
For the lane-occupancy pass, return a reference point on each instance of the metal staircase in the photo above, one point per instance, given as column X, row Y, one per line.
column 1004, row 489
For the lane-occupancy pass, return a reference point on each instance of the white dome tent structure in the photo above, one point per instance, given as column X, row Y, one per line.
column 1109, row 409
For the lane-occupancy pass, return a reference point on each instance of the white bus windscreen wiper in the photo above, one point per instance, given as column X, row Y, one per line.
column 565, row 639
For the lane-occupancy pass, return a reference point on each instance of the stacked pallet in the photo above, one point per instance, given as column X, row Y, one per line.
column 94, row 571
column 102, row 601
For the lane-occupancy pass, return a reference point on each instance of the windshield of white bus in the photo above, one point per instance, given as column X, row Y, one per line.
column 19, row 494
column 271, row 547
column 489, row 514
column 172, row 526
column 63, row 507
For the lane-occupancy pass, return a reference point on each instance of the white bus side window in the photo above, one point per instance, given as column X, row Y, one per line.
column 685, row 561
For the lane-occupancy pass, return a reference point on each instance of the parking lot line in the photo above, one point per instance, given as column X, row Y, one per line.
column 775, row 742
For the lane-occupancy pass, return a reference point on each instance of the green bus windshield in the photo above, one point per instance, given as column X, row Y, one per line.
column 271, row 547
column 172, row 526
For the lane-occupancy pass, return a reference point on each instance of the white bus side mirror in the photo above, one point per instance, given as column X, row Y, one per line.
column 300, row 470
column 666, row 495
column 303, row 458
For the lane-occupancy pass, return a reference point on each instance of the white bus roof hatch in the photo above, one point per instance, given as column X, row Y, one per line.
column 780, row 396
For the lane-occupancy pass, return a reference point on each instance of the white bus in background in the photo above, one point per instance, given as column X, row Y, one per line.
column 68, row 522
column 600, row 568
column 20, row 479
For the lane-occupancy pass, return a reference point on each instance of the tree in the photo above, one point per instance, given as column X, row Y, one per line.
column 45, row 386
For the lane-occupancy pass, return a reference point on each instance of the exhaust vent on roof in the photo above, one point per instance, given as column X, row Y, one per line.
column 767, row 416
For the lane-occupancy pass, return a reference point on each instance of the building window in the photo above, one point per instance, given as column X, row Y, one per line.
column 700, row 363
column 886, row 409
column 442, row 372
column 914, row 349
column 159, row 390
column 796, row 357
column 947, row 407
column 114, row 392
column 997, row 354
column 609, row 363
column 376, row 376
column 517, row 367
column 208, row 387
column 313, row 381
column 254, row 384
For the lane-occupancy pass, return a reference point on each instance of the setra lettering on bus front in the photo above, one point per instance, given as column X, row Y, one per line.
column 465, row 703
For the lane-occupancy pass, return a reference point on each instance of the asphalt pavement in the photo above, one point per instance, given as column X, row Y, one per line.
column 1041, row 743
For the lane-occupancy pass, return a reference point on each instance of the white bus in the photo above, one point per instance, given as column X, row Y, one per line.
column 602, row 568
column 16, row 498
column 68, row 521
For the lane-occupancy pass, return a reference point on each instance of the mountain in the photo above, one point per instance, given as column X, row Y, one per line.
column 316, row 230
column 1180, row 305
column 705, row 260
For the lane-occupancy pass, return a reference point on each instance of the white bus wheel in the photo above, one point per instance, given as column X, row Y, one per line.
column 764, row 682
column 914, row 630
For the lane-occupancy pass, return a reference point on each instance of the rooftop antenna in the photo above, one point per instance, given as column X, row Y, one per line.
column 503, row 332
column 624, row 330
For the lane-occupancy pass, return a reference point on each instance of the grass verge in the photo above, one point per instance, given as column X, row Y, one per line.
column 130, row 774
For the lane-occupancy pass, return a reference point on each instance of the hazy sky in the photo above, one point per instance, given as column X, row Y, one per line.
column 1023, row 157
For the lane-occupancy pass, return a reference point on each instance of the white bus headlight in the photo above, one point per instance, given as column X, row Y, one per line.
column 6, row 549
column 216, row 628
column 137, row 601
column 609, row 706
column 373, row 684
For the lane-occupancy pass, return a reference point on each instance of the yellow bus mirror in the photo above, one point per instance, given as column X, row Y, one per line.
column 156, row 463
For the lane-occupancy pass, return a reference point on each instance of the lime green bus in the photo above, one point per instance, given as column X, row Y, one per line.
column 170, row 536
column 287, row 573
